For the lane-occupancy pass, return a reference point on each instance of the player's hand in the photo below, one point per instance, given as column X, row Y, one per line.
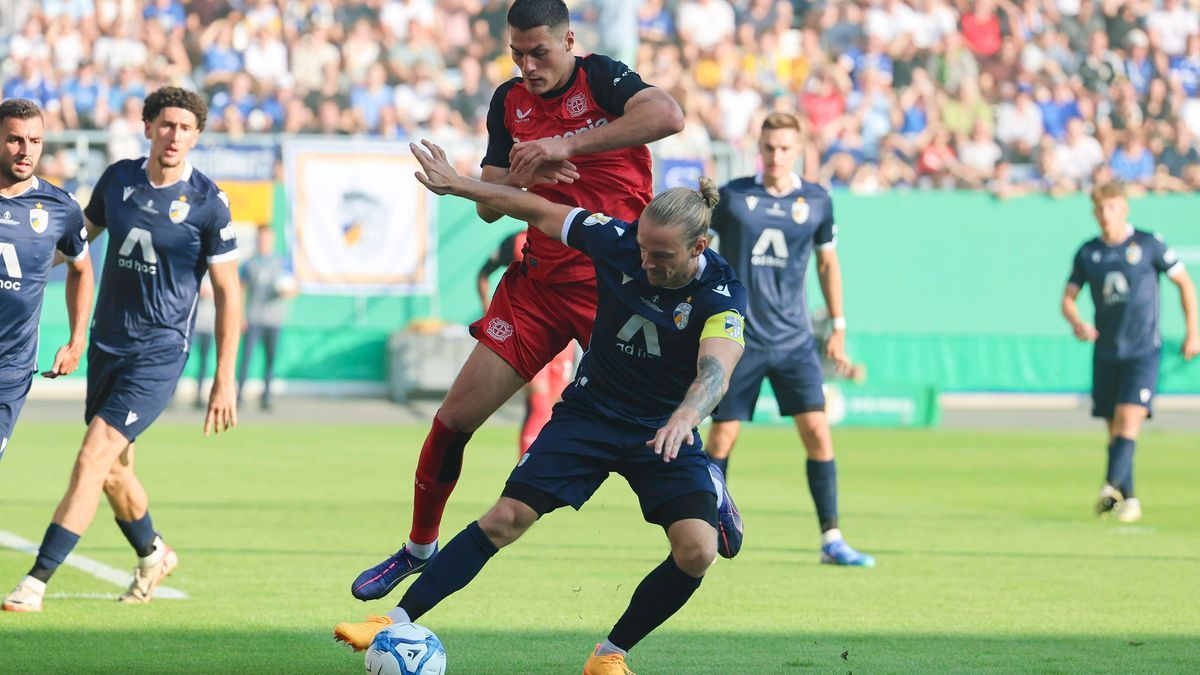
column 66, row 360
column 669, row 439
column 1191, row 346
column 222, row 407
column 544, row 173
column 533, row 153
column 835, row 350
column 439, row 176
column 1085, row 332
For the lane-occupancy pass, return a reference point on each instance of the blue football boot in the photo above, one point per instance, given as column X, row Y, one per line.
column 729, row 520
column 379, row 580
column 838, row 552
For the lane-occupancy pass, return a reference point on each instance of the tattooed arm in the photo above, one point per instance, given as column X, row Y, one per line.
column 714, row 365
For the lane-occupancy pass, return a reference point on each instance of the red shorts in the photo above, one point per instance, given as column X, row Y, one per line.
column 531, row 322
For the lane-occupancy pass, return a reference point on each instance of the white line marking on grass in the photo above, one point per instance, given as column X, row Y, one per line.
column 1134, row 530
column 82, row 596
column 92, row 567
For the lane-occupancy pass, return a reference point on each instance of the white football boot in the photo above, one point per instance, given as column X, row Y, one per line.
column 1130, row 511
column 26, row 597
column 149, row 573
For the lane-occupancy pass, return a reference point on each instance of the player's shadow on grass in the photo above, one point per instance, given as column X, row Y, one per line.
column 38, row 644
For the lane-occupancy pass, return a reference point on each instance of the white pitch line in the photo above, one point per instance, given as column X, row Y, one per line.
column 92, row 567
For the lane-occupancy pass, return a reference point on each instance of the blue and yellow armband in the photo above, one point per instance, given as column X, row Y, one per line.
column 728, row 324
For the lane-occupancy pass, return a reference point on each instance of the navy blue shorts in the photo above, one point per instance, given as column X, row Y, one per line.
column 1132, row 381
column 130, row 392
column 795, row 378
column 12, row 399
column 577, row 449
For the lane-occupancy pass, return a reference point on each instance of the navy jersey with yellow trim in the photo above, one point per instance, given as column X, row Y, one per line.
column 33, row 225
column 768, row 240
column 161, row 241
column 646, row 339
column 1124, row 287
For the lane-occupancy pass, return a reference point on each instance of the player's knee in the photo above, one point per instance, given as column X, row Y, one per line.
column 507, row 521
column 694, row 555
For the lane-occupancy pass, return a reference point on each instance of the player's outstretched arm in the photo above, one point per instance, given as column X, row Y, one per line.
column 714, row 365
column 1084, row 331
column 441, row 179
column 648, row 115
column 227, row 296
column 1187, row 295
column 80, row 285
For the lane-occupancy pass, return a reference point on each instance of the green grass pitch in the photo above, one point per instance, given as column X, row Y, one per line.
column 989, row 559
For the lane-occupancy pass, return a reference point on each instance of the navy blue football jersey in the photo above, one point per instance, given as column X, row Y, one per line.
column 32, row 225
column 768, row 240
column 161, row 241
column 646, row 339
column 1124, row 285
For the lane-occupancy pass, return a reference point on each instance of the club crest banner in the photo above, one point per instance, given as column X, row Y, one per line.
column 360, row 224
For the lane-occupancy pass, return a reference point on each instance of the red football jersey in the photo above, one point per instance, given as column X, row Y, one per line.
column 616, row 182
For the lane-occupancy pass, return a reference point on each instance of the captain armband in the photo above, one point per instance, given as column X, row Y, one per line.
column 727, row 324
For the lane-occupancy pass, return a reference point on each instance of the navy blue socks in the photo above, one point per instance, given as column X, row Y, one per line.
column 661, row 594
column 1120, row 465
column 451, row 569
column 56, row 546
column 140, row 534
column 822, row 483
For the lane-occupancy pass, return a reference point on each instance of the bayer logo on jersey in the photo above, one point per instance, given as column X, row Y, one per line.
column 406, row 649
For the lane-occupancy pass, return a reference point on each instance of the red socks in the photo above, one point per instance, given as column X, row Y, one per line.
column 437, row 473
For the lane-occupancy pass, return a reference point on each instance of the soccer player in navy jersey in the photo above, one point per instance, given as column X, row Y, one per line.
column 667, row 334
column 1122, row 267
column 769, row 226
column 545, row 387
column 167, row 224
column 36, row 219
column 573, row 130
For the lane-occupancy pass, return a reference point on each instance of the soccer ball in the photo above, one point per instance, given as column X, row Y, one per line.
column 406, row 649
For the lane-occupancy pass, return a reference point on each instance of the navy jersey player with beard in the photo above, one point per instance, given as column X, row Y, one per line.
column 667, row 333
column 1122, row 268
column 167, row 225
column 769, row 226
column 37, row 220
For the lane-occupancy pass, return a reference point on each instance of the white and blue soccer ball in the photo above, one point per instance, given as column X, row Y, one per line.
column 406, row 649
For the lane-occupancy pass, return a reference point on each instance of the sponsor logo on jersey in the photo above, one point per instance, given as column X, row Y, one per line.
column 751, row 202
column 148, row 207
column 1170, row 257
column 775, row 209
column 591, row 124
column 639, row 324
column 1133, row 253
column 125, row 194
column 576, row 105
column 770, row 250
column 7, row 219
column 800, row 211
column 12, row 267
column 39, row 218
column 139, row 239
column 596, row 219
column 179, row 210
column 499, row 330
column 652, row 303
column 228, row 232
column 683, row 312
column 1115, row 289
column 523, row 114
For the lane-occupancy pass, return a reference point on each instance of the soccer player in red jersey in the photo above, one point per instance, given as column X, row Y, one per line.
column 545, row 387
column 573, row 130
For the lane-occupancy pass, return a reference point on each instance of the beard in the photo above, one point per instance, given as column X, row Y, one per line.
column 9, row 171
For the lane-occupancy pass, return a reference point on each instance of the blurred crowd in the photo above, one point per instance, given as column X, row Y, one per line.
column 1011, row 96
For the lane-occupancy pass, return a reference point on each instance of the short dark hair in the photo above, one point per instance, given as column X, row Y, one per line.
column 175, row 97
column 19, row 108
column 529, row 14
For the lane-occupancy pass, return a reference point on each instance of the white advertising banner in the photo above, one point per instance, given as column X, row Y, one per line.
column 359, row 222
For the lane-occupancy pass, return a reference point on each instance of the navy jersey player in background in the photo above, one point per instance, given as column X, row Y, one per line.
column 167, row 225
column 1122, row 267
column 667, row 334
column 768, row 227
column 36, row 219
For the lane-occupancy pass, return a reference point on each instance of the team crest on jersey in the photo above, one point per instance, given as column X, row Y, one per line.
column 576, row 105
column 179, row 210
column 39, row 218
column 683, row 312
column 1133, row 253
column 800, row 211
column 734, row 326
column 499, row 329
